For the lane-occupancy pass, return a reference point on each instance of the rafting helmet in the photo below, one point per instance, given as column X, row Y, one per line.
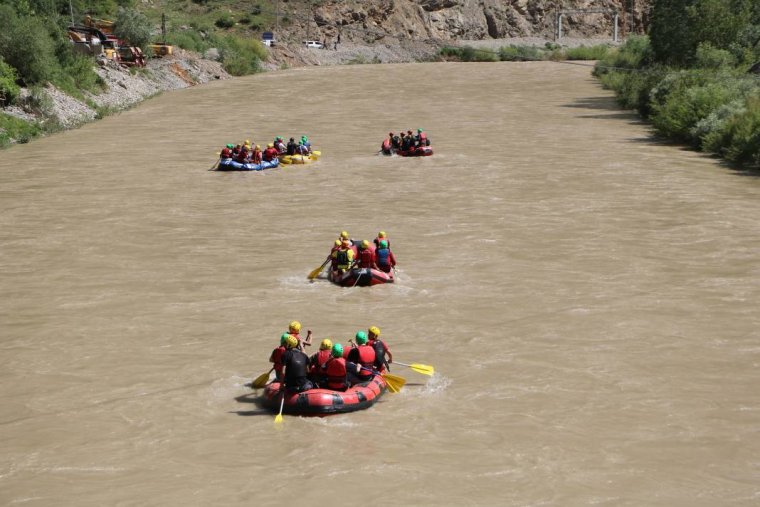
column 284, row 339
column 375, row 331
column 270, row 145
column 230, row 145
column 291, row 341
column 383, row 243
column 258, row 147
column 247, row 142
column 361, row 337
column 344, row 235
column 304, row 139
column 294, row 326
column 409, row 131
column 419, row 130
column 337, row 350
column 338, row 242
column 381, row 234
column 326, row 344
column 390, row 134
column 365, row 244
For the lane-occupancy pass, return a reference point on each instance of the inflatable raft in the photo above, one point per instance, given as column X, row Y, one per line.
column 361, row 277
column 423, row 151
column 326, row 401
column 301, row 159
column 228, row 164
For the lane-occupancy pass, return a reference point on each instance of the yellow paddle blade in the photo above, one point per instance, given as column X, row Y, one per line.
column 315, row 273
column 395, row 383
column 419, row 368
column 423, row 368
column 278, row 419
column 316, row 153
column 260, row 381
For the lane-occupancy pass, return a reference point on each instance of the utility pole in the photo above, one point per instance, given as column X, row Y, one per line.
column 277, row 16
column 71, row 11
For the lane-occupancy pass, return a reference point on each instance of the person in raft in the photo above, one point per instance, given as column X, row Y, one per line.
column 226, row 151
column 422, row 139
column 318, row 362
column 380, row 348
column 304, row 147
column 292, row 147
column 344, row 256
column 333, row 259
column 381, row 236
column 280, row 145
column 276, row 357
column 296, row 366
column 270, row 153
column 366, row 257
column 363, row 355
column 384, row 258
column 340, row 374
column 257, row 156
column 294, row 328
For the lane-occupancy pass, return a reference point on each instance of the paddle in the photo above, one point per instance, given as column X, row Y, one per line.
column 315, row 273
column 278, row 418
column 395, row 383
column 261, row 380
column 419, row 368
column 213, row 167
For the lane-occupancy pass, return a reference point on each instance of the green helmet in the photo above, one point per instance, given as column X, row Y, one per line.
column 337, row 350
column 284, row 338
column 230, row 146
column 383, row 244
column 361, row 337
column 419, row 130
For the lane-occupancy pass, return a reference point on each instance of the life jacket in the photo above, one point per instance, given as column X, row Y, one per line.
column 242, row 156
column 280, row 147
column 296, row 364
column 226, row 153
column 292, row 146
column 423, row 139
column 256, row 157
column 387, row 145
column 236, row 150
column 365, row 258
column 336, row 374
column 318, row 362
column 343, row 258
column 379, row 347
column 276, row 358
column 383, row 256
column 366, row 360
column 270, row 154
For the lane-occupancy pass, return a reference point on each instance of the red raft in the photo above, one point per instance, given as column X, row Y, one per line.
column 326, row 401
column 361, row 277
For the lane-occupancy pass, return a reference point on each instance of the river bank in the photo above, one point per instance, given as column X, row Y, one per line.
column 50, row 110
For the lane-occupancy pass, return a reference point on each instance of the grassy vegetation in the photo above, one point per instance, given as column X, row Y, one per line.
column 514, row 53
column 712, row 105
column 14, row 129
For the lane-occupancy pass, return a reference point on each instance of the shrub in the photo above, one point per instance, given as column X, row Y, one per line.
column 712, row 131
column 132, row 26
column 709, row 57
column 742, row 135
column 241, row 56
column 189, row 40
column 16, row 130
column 9, row 90
column 520, row 53
column 587, row 53
column 225, row 21
column 26, row 45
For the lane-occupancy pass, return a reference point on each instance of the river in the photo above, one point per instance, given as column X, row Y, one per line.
column 586, row 293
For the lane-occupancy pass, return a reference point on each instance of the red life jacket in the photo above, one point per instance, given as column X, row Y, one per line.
column 386, row 145
column 270, row 154
column 256, row 158
column 336, row 373
column 226, row 153
column 242, row 156
column 379, row 239
column 423, row 139
column 276, row 358
column 318, row 362
column 366, row 258
column 366, row 360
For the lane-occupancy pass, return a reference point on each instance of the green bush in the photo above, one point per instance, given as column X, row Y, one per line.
column 9, row 90
column 132, row 26
column 520, row 53
column 190, row 40
column 225, row 21
column 27, row 46
column 743, row 135
column 709, row 57
column 241, row 56
column 587, row 53
column 16, row 130
column 713, row 130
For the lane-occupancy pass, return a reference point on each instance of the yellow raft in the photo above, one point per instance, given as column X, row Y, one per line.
column 300, row 159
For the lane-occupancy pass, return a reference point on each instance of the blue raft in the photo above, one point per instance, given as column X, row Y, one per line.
column 228, row 164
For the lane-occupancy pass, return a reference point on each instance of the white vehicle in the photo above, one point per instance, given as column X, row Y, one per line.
column 313, row 44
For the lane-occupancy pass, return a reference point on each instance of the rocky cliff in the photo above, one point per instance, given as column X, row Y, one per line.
column 371, row 21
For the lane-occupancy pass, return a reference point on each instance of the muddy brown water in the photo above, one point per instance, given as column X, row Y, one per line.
column 587, row 295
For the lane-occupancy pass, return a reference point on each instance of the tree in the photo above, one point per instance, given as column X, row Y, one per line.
column 132, row 26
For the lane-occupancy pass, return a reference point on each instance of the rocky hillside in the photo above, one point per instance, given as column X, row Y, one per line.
column 370, row 21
